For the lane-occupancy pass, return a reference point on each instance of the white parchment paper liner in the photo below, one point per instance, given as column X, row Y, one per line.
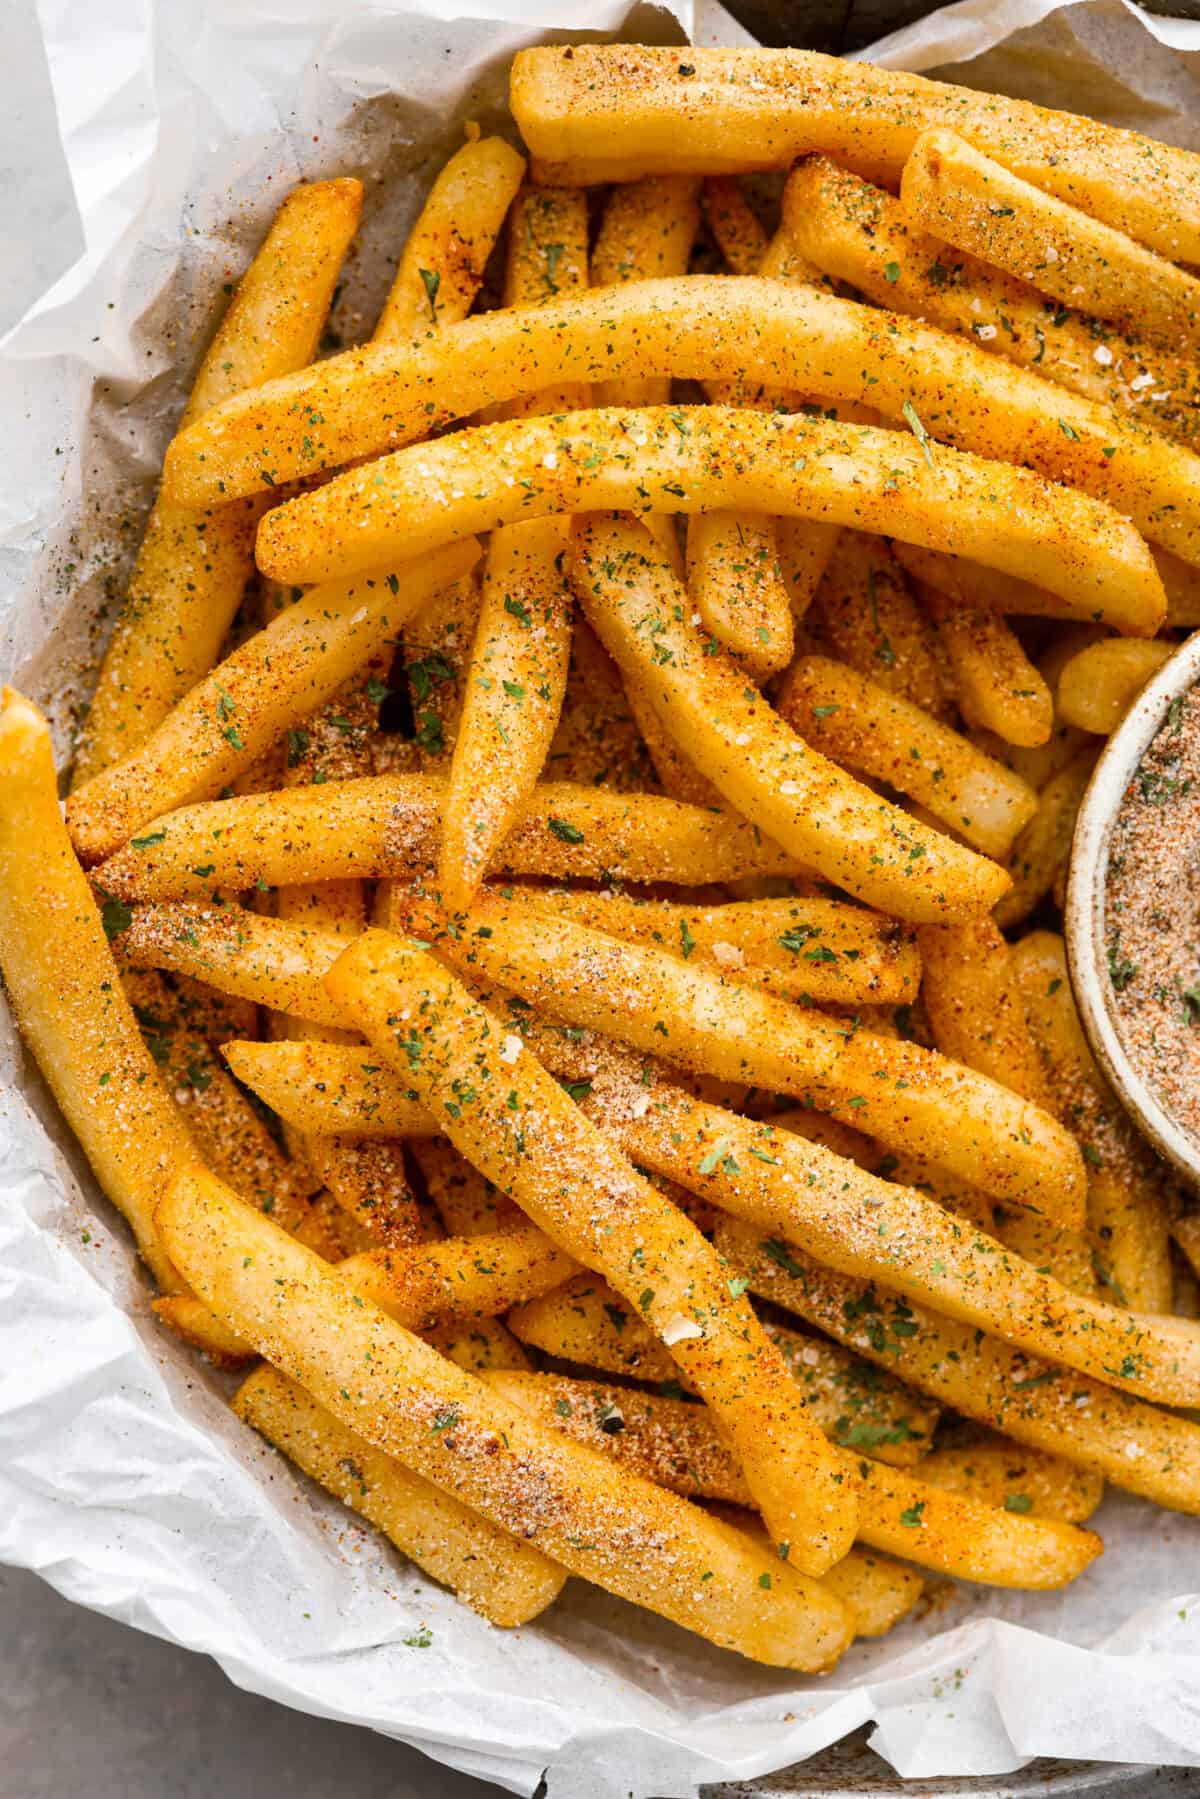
column 123, row 1478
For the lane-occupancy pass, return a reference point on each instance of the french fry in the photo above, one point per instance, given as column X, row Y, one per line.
column 442, row 263
column 801, row 949
column 275, row 681
column 608, row 1217
column 626, row 108
column 904, row 1095
column 388, row 825
column 466, row 1203
column 740, row 236
column 816, row 811
column 506, row 1580
column 960, row 195
column 437, row 654
column 1045, row 843
column 261, row 959
column 677, row 775
column 1100, row 683
column 436, row 1284
column 832, row 349
column 408, row 1401
column 479, row 1345
column 737, row 587
column 978, row 1017
column 874, row 624
column 321, row 1089
column 971, row 584
column 547, row 259
column 192, row 567
column 512, row 699
column 792, row 1189
column 996, row 685
column 877, row 1591
column 67, row 995
column 1127, row 1214
column 862, row 235
column 227, row 1131
column 369, row 1183
column 903, row 1513
column 585, row 1321
column 997, row 1472
column 646, row 234
column 1137, row 1447
column 856, row 721
column 800, row 465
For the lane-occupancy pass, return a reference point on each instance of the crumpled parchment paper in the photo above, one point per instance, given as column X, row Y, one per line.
column 124, row 1480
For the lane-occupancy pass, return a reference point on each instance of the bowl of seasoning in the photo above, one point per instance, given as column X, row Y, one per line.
column 1133, row 910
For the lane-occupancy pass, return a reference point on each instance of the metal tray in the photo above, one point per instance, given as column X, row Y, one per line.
column 850, row 1768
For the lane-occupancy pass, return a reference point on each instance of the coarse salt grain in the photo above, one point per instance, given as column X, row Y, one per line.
column 550, row 459
column 985, row 333
column 680, row 1330
column 510, row 1049
column 1051, row 253
column 789, row 788
column 810, row 1356
column 728, row 955
column 1103, row 355
column 742, row 739
column 1141, row 381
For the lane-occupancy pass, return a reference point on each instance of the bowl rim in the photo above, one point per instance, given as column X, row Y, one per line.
column 1084, row 913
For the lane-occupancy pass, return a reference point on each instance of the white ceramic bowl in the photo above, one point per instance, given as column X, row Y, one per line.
column 1085, row 904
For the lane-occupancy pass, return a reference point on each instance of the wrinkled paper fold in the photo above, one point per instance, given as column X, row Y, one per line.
column 124, row 1480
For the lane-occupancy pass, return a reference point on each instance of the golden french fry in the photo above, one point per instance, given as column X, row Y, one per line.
column 907, row 1097
column 997, row 686
column 192, row 567
column 631, row 109
column 806, row 803
column 504, row 1579
column 1044, row 845
column 442, row 1283
column 874, row 624
column 1100, row 683
column 1127, row 1214
column 67, row 995
column 261, row 959
column 442, row 263
column 978, row 1017
column 274, row 681
column 801, row 465
column 389, row 825
column 467, row 1204
column 410, row 1402
column 903, row 1513
column 698, row 326
column 877, row 1591
column 737, row 587
column 955, row 191
column 437, row 653
column 741, row 238
column 547, row 259
column 971, row 584
column 478, row 1345
column 322, row 1089
column 1021, row 1480
column 646, row 234
column 368, row 1181
column 862, row 235
column 801, row 949
column 798, row 1192
column 1137, row 1447
column 514, row 1122
column 856, row 721
column 586, row 1321
column 228, row 1132
column 512, row 700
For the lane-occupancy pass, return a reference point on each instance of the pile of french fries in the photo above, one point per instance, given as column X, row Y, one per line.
column 573, row 1009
